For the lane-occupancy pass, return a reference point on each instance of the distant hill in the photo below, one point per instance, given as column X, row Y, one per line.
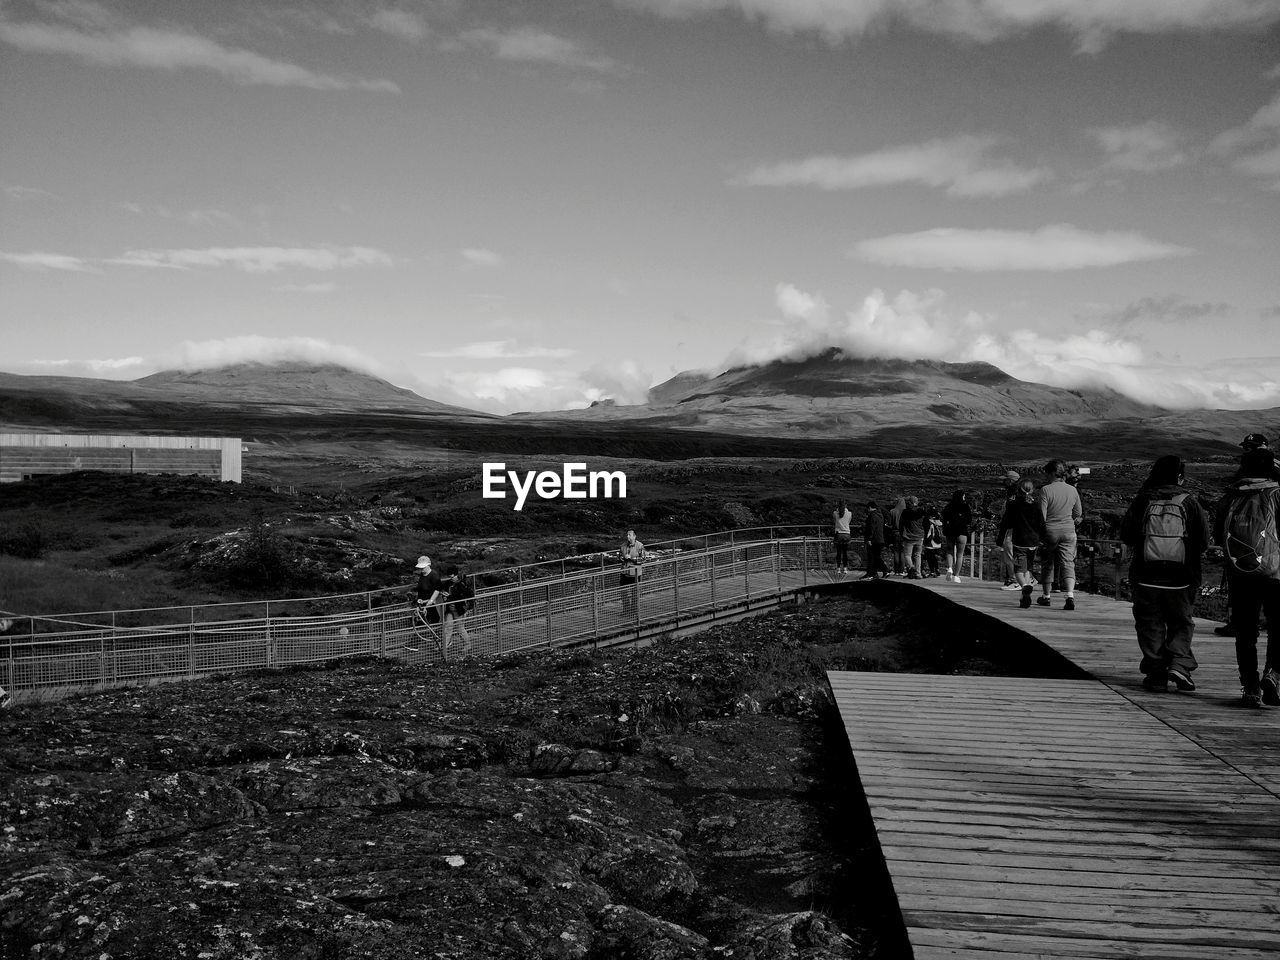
column 817, row 392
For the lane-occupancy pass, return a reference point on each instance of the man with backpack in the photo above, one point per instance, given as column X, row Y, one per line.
column 459, row 600
column 1245, row 525
column 1166, row 531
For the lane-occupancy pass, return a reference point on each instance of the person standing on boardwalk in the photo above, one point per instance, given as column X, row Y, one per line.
column 1022, row 527
column 1252, row 441
column 1060, row 507
column 912, row 525
column 934, row 540
column 957, row 526
column 1246, row 529
column 874, row 533
column 892, row 532
column 840, row 521
column 1008, row 570
column 632, row 556
column 1167, row 531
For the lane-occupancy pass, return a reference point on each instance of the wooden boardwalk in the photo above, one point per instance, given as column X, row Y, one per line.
column 1073, row 818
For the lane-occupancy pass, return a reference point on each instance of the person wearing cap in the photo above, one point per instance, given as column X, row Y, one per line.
column 1254, row 590
column 428, row 589
column 1254, row 441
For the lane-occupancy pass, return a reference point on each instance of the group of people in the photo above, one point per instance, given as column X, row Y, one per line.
column 920, row 538
column 442, row 603
column 1166, row 529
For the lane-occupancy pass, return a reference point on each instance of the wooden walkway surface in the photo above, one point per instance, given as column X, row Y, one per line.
column 1073, row 818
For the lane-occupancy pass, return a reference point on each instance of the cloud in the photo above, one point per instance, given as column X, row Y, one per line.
column 1254, row 147
column 531, row 45
column 1164, row 310
column 960, row 164
column 403, row 24
column 212, row 354
column 498, row 350
column 95, row 36
column 513, row 389
column 480, row 257
column 123, row 368
column 1145, row 148
column 257, row 259
column 193, row 217
column 19, row 192
column 306, row 288
column 923, row 326
column 1054, row 247
column 37, row 260
column 1093, row 23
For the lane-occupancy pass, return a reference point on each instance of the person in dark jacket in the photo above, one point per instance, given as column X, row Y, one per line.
column 1253, row 592
column 1022, row 528
column 957, row 526
column 912, row 526
column 873, row 532
column 1167, row 531
column 893, row 538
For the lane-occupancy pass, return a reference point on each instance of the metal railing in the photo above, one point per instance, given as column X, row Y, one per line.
column 688, row 581
column 679, row 587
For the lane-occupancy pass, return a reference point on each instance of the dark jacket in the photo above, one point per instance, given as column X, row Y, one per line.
column 873, row 526
column 913, row 523
column 895, row 520
column 1164, row 573
column 1024, row 520
column 1237, row 489
column 957, row 519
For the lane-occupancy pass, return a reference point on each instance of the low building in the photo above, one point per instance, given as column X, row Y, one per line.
column 24, row 455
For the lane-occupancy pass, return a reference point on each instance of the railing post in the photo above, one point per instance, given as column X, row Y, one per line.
column 804, row 560
column 711, row 561
column 271, row 659
column 777, row 564
column 497, row 619
column 191, row 650
column 382, row 635
column 675, row 587
column 746, row 573
column 550, row 637
column 596, row 584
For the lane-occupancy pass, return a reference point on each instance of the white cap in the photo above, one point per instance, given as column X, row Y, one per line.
column 423, row 563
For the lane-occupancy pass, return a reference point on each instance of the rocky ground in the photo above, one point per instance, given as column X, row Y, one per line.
column 691, row 799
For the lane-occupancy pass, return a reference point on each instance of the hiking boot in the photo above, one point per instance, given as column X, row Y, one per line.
column 1182, row 680
column 1251, row 696
column 1271, row 688
column 1025, row 601
column 1069, row 603
column 1042, row 600
column 1155, row 683
column 1226, row 630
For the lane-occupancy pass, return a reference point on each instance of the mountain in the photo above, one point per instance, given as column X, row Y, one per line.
column 816, row 393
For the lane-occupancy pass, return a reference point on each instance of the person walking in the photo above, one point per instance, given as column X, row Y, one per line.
column 1252, row 441
column 632, row 556
column 1022, row 527
column 873, row 531
column 893, row 531
column 957, row 525
column 840, row 521
column 459, row 600
column 1245, row 527
column 911, row 531
column 427, row 596
column 1167, row 531
column 1060, row 507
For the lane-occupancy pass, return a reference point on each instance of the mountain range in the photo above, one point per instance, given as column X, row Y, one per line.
column 827, row 403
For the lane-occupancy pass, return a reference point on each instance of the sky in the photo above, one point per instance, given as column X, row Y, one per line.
column 533, row 206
